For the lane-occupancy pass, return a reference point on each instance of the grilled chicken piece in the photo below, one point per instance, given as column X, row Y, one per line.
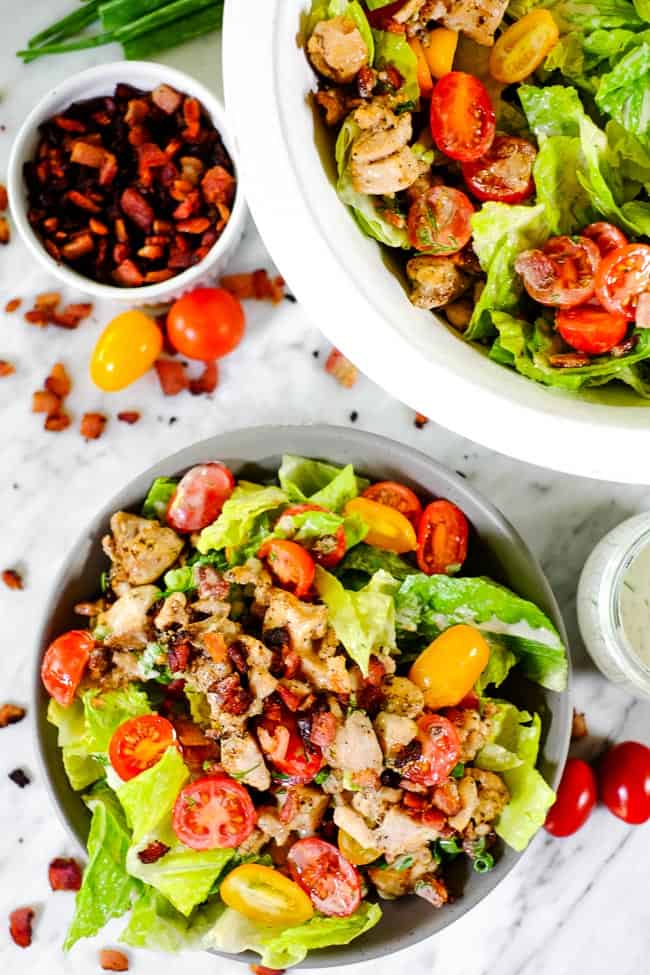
column 329, row 674
column 394, row 732
column 403, row 697
column 396, row 883
column 493, row 796
column 252, row 574
column 354, row 825
column 203, row 672
column 399, row 833
column 337, row 50
column 126, row 621
column 468, row 793
column 410, row 10
column 310, row 809
column 473, row 731
column 381, row 160
column 477, row 19
column 140, row 548
column 373, row 804
column 435, row 281
column 173, row 613
column 241, row 757
column 355, row 747
column 304, row 622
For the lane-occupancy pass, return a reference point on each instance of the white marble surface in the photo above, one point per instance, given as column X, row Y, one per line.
column 578, row 905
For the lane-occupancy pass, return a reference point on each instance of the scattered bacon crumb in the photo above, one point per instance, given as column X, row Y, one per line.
column 254, row 284
column 578, row 725
column 6, row 368
column 11, row 714
column 13, row 305
column 153, row 852
column 112, row 960
column 64, row 874
column 45, row 401
column 12, row 579
column 5, row 233
column 4, row 200
column 263, row 970
column 57, row 422
column 420, row 420
column 47, row 300
column 207, row 381
column 92, row 425
column 58, row 381
column 129, row 416
column 342, row 369
column 45, row 311
column 20, row 926
column 172, row 376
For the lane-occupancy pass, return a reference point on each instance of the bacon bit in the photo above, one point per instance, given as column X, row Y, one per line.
column 154, row 852
column 150, row 156
column 211, row 584
column 237, row 653
column 120, row 231
column 342, row 369
column 412, row 801
column 291, row 664
column 323, row 729
column 192, row 116
column 215, row 644
column 98, row 227
column 6, row 368
column 64, row 874
column 69, row 124
column 20, row 926
column 13, row 305
column 11, row 714
column 4, row 200
column 58, row 381
column 189, row 733
column 172, row 147
column 56, row 422
column 433, row 890
column 218, row 185
column 172, row 375
column 128, row 416
column 263, row 970
column 151, row 252
column 231, row 695
column 578, row 726
column 155, row 277
column 189, row 206
column 254, row 284
column 178, row 656
column 568, row 360
column 109, row 169
column 128, row 274
column 5, row 232
column 420, row 420
column 196, row 225
column 113, row 961
column 195, row 757
column 138, row 135
column 136, row 112
column 366, row 81
column 446, row 798
column 289, row 697
column 166, row 98
column 78, row 247
column 136, row 208
column 87, row 154
column 92, row 425
column 45, row 401
column 207, row 381
column 289, row 808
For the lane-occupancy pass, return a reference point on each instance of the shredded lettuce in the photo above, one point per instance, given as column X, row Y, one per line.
column 236, row 524
column 157, row 500
column 318, row 482
column 364, row 560
column 156, row 925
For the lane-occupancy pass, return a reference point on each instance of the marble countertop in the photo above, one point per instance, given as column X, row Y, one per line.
column 578, row 905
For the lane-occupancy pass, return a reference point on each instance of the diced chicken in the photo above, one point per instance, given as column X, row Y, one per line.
column 381, row 160
column 373, row 804
column 354, row 825
column 403, row 697
column 252, row 844
column 268, row 820
column 203, row 631
column 204, row 672
column 394, row 732
column 477, row 19
column 435, row 281
column 173, row 613
column 126, row 668
column 493, row 796
column 329, row 644
column 396, row 883
column 241, row 756
column 261, row 682
column 305, row 622
column 311, row 806
column 410, row 9
column 355, row 747
column 388, row 137
column 337, row 50
column 468, row 793
column 255, row 575
column 326, row 675
column 126, row 622
column 140, row 548
column 473, row 731
column 399, row 833
column 256, row 653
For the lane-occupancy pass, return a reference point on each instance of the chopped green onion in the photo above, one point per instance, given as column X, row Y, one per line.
column 321, row 776
column 239, row 776
column 483, row 863
column 458, row 771
column 103, row 582
column 402, row 863
column 446, row 849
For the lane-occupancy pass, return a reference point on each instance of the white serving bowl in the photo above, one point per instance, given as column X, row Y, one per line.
column 102, row 81
column 345, row 285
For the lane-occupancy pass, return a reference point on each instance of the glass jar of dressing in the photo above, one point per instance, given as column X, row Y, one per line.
column 614, row 605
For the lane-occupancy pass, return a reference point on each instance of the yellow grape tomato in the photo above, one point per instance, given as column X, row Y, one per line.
column 523, row 46
column 126, row 349
column 388, row 528
column 359, row 855
column 265, row 895
column 450, row 666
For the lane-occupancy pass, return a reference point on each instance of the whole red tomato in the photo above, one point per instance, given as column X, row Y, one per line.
column 624, row 780
column 206, row 324
column 576, row 797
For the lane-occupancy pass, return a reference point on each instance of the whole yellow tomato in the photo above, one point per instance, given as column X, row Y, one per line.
column 450, row 666
column 126, row 349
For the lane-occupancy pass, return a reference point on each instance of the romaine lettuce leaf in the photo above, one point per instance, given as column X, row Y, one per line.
column 179, row 580
column 80, row 767
column 148, row 798
column 367, row 559
column 624, row 93
column 393, row 49
column 157, row 500
column 237, row 521
column 156, row 925
column 309, row 526
column 107, row 889
column 105, row 711
column 530, row 800
column 501, row 662
column 320, row 483
column 364, row 621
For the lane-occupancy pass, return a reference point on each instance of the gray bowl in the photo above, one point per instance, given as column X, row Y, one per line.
column 495, row 549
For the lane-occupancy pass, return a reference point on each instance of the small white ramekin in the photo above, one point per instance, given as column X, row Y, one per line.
column 102, row 81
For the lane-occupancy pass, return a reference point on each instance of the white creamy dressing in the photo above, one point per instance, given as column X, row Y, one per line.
column 521, row 628
column 634, row 601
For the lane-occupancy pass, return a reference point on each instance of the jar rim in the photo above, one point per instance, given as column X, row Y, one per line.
column 637, row 669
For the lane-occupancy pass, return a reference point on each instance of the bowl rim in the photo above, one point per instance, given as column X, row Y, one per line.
column 500, row 409
column 136, row 73
column 330, row 436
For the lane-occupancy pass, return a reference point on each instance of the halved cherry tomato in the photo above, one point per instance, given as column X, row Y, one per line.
column 504, row 173
column 563, row 273
column 290, row 563
column 590, row 328
column 523, row 46
column 265, row 895
column 605, row 236
column 450, row 666
column 623, row 275
column 439, row 221
column 206, row 324
column 331, row 881
column 64, row 664
column 624, row 780
column 139, row 744
column 440, row 751
column 576, row 797
column 396, row 496
column 359, row 855
column 442, row 538
column 328, row 550
column 388, row 528
column 463, row 122
column 200, row 496
column 214, row 812
column 126, row 349
column 283, row 745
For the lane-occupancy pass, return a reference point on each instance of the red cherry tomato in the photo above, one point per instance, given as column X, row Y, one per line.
column 213, row 812
column 504, row 173
column 199, row 497
column 206, row 324
column 462, row 117
column 290, row 563
column 622, row 277
column 576, row 797
column 139, row 744
column 281, row 742
column 331, row 881
column 624, row 780
column 327, row 551
column 64, row 664
column 605, row 236
column 440, row 751
column 442, row 538
column 439, row 221
column 562, row 274
column 590, row 328
column 396, row 496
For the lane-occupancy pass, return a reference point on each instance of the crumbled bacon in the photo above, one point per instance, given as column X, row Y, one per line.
column 166, row 98
column 6, row 368
column 420, row 420
column 189, row 733
column 5, row 232
column 136, row 208
column 13, row 304
column 154, row 852
column 433, row 890
column 216, row 647
column 20, row 926
column 58, row 381
column 128, row 416
column 254, row 284
column 578, row 726
column 56, row 422
column 366, row 81
column 112, row 960
column 4, row 200
column 237, row 654
column 323, row 729
column 231, row 695
column 291, row 664
column 172, row 376
column 11, row 714
column 207, row 381
column 218, row 185
column 92, row 425
column 192, row 116
column 178, row 655
column 289, row 697
column 87, row 154
column 342, row 369
column 64, row 874
column 210, row 583
column 12, row 579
